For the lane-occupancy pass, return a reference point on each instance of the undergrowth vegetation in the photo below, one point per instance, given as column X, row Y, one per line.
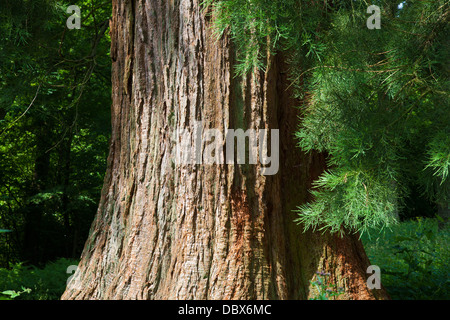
column 22, row 282
column 414, row 259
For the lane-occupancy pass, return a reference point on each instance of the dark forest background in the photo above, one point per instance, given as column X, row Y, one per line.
column 55, row 96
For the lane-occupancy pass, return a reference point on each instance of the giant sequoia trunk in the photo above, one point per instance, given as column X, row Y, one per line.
column 168, row 230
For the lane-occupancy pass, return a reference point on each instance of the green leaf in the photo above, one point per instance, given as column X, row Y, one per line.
column 13, row 294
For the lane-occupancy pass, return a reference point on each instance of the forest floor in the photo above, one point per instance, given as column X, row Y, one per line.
column 413, row 257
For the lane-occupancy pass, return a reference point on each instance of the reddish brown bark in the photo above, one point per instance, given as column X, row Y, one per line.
column 174, row 231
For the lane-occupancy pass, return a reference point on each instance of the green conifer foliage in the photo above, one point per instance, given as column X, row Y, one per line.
column 376, row 101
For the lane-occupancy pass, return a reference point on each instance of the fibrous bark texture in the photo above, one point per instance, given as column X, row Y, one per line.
column 168, row 230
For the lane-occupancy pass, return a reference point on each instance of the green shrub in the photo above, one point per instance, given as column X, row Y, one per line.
column 414, row 259
column 47, row 283
column 324, row 288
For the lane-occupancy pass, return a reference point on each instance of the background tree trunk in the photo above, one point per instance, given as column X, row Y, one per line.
column 34, row 211
column 167, row 231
